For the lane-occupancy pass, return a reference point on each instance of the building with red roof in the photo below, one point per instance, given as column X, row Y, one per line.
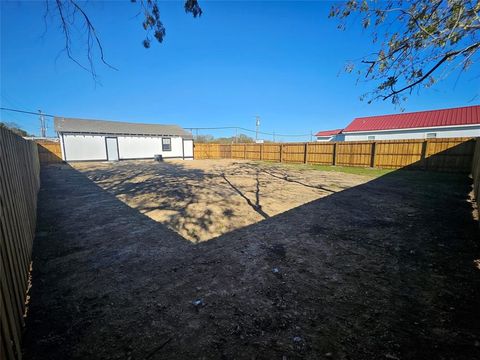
column 445, row 123
column 329, row 135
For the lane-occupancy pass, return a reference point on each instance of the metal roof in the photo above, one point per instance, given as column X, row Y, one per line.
column 329, row 132
column 85, row 126
column 462, row 116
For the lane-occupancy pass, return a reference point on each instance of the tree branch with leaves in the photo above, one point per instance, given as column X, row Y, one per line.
column 421, row 42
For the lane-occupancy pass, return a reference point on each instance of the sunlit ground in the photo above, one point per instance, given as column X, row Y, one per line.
column 203, row 199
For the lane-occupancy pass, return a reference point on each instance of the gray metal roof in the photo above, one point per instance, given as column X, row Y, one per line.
column 72, row 125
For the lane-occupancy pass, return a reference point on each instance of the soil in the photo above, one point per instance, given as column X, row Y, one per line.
column 355, row 268
column 204, row 199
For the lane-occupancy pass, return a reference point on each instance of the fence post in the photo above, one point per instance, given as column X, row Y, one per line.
column 423, row 156
column 334, row 158
column 261, row 151
column 281, row 152
column 373, row 153
column 305, row 153
column 244, row 151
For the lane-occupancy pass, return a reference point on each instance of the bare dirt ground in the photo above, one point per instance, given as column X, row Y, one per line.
column 206, row 198
column 385, row 269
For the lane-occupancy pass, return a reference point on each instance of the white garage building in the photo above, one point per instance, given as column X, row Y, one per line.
column 98, row 140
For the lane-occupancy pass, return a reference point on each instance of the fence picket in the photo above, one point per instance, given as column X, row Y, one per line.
column 454, row 154
column 19, row 184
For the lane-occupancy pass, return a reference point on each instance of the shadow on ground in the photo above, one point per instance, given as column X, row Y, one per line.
column 213, row 198
column 383, row 270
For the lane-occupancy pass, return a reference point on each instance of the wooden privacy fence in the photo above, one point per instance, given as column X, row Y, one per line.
column 49, row 152
column 451, row 154
column 476, row 174
column 19, row 184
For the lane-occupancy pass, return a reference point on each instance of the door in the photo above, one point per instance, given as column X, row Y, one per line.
column 112, row 148
column 187, row 149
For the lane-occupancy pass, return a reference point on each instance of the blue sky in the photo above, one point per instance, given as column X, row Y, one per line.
column 282, row 61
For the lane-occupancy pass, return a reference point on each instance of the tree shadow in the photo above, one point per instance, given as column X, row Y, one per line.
column 256, row 207
column 196, row 203
column 382, row 268
column 282, row 174
column 168, row 193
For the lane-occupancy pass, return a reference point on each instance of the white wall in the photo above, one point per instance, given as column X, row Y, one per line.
column 141, row 147
column 470, row 131
column 338, row 137
column 84, row 147
column 92, row 147
column 177, row 148
column 324, row 138
column 138, row 147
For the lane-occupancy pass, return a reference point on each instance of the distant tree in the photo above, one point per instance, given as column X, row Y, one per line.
column 241, row 138
column 418, row 42
column 13, row 127
column 204, row 138
column 225, row 140
column 72, row 17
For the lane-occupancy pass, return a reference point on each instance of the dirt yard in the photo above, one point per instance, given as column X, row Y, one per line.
column 340, row 266
column 206, row 198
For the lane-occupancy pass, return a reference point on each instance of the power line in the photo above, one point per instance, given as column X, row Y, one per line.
column 186, row 127
column 25, row 112
column 244, row 129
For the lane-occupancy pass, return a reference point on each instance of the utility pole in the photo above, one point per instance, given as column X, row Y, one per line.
column 43, row 130
column 257, row 125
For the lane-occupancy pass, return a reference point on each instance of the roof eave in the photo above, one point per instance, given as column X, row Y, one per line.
column 414, row 128
column 105, row 133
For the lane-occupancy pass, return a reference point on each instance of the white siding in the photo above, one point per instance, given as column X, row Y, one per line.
column 139, row 147
column 471, row 131
column 84, row 147
column 338, row 137
column 324, row 138
column 177, row 148
column 93, row 147
column 143, row 147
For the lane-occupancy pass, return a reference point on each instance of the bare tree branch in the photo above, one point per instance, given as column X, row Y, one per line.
column 435, row 67
column 71, row 13
column 91, row 30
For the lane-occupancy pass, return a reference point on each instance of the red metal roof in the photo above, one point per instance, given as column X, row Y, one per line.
column 329, row 132
column 469, row 115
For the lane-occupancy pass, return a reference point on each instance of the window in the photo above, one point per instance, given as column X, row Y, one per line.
column 371, row 137
column 166, row 144
column 431, row 135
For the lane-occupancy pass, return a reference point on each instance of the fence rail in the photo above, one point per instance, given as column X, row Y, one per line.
column 451, row 154
column 19, row 184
